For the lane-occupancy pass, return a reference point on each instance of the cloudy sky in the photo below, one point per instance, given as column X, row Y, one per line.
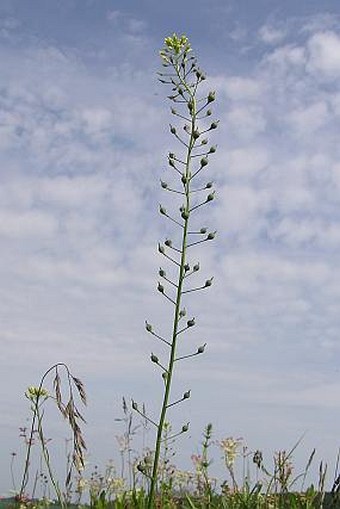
column 83, row 143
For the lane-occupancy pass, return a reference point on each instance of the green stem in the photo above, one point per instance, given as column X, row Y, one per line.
column 177, row 304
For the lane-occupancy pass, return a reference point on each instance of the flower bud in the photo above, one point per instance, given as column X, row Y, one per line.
column 191, row 323
column 203, row 230
column 196, row 134
column 187, row 394
column 184, row 179
column 134, row 405
column 213, row 125
column 196, row 267
column 182, row 313
column 162, row 272
column 211, row 235
column 208, row 282
column 208, row 113
column 204, row 142
column 185, row 215
column 164, row 184
column 172, row 129
column 173, row 111
column 208, row 185
column 148, row 326
column 171, row 155
column 186, row 267
column 162, row 210
column 160, row 288
column 168, row 243
column 154, row 358
column 161, row 249
column 185, row 428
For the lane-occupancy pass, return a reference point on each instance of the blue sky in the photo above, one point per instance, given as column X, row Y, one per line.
column 83, row 144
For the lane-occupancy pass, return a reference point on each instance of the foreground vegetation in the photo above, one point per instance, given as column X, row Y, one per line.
column 247, row 484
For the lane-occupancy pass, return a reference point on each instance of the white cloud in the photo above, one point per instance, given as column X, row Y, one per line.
column 324, row 55
column 271, row 35
column 29, row 224
column 240, row 88
column 246, row 121
column 306, row 120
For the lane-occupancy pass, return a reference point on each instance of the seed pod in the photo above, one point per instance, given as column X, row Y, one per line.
column 201, row 349
column 185, row 428
column 212, row 149
column 204, row 161
column 208, row 282
column 210, row 197
column 185, row 215
column 213, row 125
column 172, row 129
column 191, row 323
column 134, row 405
column 148, row 326
column 203, row 230
column 162, row 272
column 187, row 394
column 186, row 267
column 161, row 249
column 171, row 155
column 211, row 235
column 154, row 358
column 168, row 243
column 162, row 210
column 160, row 288
column 196, row 267
column 211, row 97
column 196, row 134
column 184, row 179
column 173, row 111
column 205, row 141
column 164, row 184
column 182, row 313
column 208, row 185
column 208, row 113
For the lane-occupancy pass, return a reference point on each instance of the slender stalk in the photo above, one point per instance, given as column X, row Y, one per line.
column 181, row 274
column 176, row 56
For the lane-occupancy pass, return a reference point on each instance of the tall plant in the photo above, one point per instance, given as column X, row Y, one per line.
column 191, row 112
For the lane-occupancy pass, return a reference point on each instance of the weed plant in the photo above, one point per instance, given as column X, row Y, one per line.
column 192, row 112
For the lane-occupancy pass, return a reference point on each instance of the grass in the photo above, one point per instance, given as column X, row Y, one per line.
column 246, row 482
column 151, row 479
